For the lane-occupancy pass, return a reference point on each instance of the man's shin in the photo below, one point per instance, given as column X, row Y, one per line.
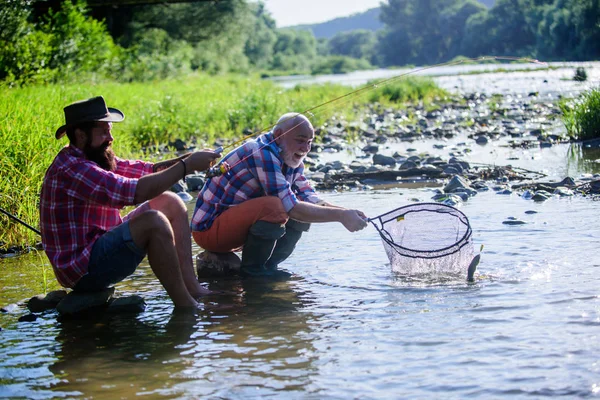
column 286, row 245
column 258, row 247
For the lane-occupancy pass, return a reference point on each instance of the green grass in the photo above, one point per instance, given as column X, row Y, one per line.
column 582, row 115
column 197, row 106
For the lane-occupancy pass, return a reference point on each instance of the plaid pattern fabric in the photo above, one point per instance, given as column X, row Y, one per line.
column 257, row 169
column 79, row 202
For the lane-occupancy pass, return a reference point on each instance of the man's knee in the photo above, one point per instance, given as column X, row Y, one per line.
column 267, row 230
column 297, row 225
column 151, row 223
column 168, row 203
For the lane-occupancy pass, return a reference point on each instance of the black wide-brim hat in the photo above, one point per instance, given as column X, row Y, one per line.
column 93, row 109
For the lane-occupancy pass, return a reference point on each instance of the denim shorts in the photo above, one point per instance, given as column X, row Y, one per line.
column 114, row 257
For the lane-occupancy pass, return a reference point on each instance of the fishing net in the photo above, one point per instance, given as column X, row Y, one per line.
column 426, row 239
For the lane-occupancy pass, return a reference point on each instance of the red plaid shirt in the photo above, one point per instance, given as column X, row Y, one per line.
column 81, row 201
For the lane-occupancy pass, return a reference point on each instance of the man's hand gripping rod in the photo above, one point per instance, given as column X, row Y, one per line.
column 218, row 169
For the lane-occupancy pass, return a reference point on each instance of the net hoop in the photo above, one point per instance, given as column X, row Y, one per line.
column 395, row 215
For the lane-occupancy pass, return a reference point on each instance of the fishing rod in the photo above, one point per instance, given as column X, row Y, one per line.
column 222, row 167
column 20, row 221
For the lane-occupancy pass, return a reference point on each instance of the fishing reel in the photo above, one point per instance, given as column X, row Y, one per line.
column 219, row 169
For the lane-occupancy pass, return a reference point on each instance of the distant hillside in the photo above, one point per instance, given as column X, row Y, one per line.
column 368, row 20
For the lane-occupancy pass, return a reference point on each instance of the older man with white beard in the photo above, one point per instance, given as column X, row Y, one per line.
column 264, row 203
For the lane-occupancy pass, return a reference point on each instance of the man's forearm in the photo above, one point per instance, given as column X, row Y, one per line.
column 150, row 186
column 162, row 165
column 308, row 212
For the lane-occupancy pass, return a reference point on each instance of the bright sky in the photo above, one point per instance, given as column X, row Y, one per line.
column 296, row 12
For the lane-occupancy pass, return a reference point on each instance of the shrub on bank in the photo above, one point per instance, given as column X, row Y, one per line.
column 407, row 90
column 582, row 115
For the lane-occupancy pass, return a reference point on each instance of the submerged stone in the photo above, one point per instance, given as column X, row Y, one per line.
column 541, row 195
column 209, row 264
column 514, row 221
column 128, row 304
column 42, row 303
column 27, row 318
column 75, row 303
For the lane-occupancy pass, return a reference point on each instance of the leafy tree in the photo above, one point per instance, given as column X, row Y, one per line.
column 423, row 31
column 294, row 50
column 506, row 29
column 357, row 44
column 64, row 43
column 259, row 45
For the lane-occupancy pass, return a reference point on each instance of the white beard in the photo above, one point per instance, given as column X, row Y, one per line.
column 289, row 159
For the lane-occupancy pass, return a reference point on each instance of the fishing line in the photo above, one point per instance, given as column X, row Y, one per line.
column 355, row 93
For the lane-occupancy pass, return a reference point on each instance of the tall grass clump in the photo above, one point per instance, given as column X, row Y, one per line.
column 407, row 90
column 582, row 116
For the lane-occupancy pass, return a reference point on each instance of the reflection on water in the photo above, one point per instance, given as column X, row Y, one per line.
column 346, row 326
column 584, row 158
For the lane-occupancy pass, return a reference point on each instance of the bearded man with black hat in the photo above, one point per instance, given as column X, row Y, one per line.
column 89, row 245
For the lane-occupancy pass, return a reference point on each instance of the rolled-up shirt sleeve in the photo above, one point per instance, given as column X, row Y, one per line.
column 303, row 190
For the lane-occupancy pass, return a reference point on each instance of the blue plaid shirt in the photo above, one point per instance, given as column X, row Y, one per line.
column 257, row 170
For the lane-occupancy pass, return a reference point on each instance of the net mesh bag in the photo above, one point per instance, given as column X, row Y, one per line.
column 426, row 239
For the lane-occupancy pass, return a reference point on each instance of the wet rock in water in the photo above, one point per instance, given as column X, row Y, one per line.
column 128, row 304
column 527, row 195
column 209, row 264
column 27, row 318
column 42, row 303
column 185, row 196
column 317, row 176
column 481, row 140
column 563, row 191
column 356, row 165
column 541, row 195
column 504, row 191
column 10, row 308
column 379, row 159
column 456, row 183
column 408, row 165
column 447, row 199
column 480, row 186
column 75, row 303
column 513, row 221
column 452, row 170
column 194, row 182
column 178, row 187
column 371, row 148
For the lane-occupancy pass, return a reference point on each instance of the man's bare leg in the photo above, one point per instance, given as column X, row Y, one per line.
column 152, row 231
column 174, row 209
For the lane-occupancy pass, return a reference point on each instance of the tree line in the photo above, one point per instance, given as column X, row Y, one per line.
column 137, row 43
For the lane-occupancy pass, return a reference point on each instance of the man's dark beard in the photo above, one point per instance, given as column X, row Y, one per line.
column 103, row 156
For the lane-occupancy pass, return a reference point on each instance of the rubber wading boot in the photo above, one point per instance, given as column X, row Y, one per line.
column 286, row 245
column 258, row 247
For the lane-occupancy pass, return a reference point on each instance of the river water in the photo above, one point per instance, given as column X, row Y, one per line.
column 345, row 326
